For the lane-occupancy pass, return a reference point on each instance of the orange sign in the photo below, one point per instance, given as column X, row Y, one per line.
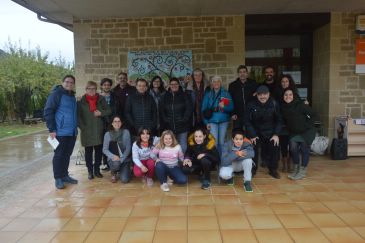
column 360, row 56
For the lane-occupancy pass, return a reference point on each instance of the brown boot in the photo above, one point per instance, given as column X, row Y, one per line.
column 285, row 164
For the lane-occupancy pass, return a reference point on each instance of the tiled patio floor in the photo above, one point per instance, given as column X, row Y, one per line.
column 328, row 206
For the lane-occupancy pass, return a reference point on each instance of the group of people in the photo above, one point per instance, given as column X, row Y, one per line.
column 153, row 130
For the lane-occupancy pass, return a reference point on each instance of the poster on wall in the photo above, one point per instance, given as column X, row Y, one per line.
column 360, row 56
column 167, row 64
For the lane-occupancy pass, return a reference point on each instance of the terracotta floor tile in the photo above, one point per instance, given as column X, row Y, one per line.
column 327, row 196
column 226, row 200
column 257, row 208
column 98, row 202
column 353, row 219
column 197, row 191
column 199, row 236
column 10, row 237
column 251, row 197
column 343, row 235
column 358, row 204
column 264, row 221
column 21, row 224
column 140, row 223
column 229, row 210
column 173, row 211
column 137, row 237
column 231, row 222
column 267, row 189
column 202, row 223
column 51, row 224
column 223, row 190
column 285, row 208
column 110, row 224
column 313, row 207
column 295, row 221
column 341, row 207
column 97, row 237
column 174, row 200
column 172, row 223
column 74, row 237
column 326, row 220
column 200, row 200
column 36, row 212
column 201, row 210
column 277, row 198
column 80, row 224
column 316, row 188
column 65, row 212
column 308, row 235
column 238, row 236
column 150, row 200
column 5, row 221
column 272, row 236
column 121, row 201
column 38, row 237
column 90, row 212
column 169, row 236
column 116, row 212
column 145, row 211
column 360, row 231
column 356, row 196
column 291, row 187
column 302, row 197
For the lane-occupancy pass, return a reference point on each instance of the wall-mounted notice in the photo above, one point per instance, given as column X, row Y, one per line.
column 167, row 64
column 360, row 56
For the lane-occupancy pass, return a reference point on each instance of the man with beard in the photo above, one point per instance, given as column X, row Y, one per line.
column 121, row 93
column 269, row 80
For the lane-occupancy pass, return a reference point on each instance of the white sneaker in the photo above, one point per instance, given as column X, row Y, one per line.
column 103, row 166
column 149, row 181
column 165, row 187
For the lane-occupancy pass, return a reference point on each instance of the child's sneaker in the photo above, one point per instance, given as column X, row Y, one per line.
column 205, row 185
column 230, row 182
column 247, row 186
column 165, row 187
column 149, row 181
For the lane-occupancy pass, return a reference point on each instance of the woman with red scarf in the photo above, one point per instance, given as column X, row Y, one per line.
column 91, row 109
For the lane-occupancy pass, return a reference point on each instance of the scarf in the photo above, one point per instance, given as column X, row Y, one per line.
column 92, row 100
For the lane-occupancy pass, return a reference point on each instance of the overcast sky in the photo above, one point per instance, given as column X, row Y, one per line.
column 19, row 23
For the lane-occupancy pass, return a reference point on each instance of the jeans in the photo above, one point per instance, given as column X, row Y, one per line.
column 219, row 130
column 62, row 154
column 123, row 168
column 303, row 149
column 98, row 149
column 245, row 165
column 284, row 144
column 175, row 173
column 182, row 138
column 269, row 153
column 150, row 164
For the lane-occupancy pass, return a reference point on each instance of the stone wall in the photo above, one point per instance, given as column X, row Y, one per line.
column 102, row 45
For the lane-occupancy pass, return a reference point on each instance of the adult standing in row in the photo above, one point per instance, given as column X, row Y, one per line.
column 140, row 109
column 157, row 91
column 91, row 110
column 263, row 123
column 269, row 81
column 217, row 106
column 242, row 91
column 176, row 112
column 121, row 91
column 60, row 114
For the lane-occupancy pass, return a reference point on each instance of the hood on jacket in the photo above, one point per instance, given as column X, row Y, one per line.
column 210, row 142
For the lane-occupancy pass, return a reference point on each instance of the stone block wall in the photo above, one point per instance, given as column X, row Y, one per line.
column 102, row 45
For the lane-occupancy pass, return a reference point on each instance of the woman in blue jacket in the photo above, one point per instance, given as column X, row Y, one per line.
column 217, row 106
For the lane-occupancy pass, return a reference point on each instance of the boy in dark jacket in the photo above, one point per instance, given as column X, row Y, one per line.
column 237, row 156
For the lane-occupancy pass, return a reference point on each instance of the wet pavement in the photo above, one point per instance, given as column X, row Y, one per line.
column 327, row 206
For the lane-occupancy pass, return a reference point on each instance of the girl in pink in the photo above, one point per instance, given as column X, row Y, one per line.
column 144, row 165
column 168, row 153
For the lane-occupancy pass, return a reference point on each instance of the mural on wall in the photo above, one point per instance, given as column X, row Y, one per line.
column 167, row 64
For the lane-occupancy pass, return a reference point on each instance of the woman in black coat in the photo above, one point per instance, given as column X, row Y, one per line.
column 202, row 154
column 176, row 111
column 299, row 119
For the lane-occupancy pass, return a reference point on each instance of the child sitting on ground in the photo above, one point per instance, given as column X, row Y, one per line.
column 237, row 156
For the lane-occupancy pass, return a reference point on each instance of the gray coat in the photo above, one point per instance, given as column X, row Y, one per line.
column 229, row 152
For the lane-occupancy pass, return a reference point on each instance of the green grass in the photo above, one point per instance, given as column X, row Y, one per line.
column 11, row 130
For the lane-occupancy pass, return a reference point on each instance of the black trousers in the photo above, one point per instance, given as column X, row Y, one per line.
column 204, row 165
column 89, row 155
column 270, row 154
column 62, row 154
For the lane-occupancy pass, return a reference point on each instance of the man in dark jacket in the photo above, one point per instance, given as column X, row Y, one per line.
column 140, row 109
column 176, row 111
column 263, row 123
column 121, row 93
column 60, row 114
column 270, row 82
column 242, row 91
